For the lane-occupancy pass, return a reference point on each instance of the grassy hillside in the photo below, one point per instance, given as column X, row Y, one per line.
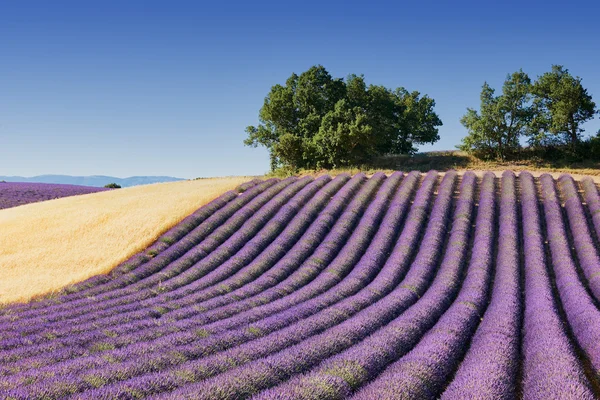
column 461, row 161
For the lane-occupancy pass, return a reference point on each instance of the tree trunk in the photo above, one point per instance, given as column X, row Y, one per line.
column 273, row 160
column 573, row 132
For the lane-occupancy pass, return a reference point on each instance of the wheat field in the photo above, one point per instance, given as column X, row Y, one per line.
column 46, row 246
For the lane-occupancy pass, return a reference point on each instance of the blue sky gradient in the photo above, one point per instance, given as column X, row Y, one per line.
column 167, row 87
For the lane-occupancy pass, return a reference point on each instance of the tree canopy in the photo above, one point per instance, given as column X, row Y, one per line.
column 502, row 119
column 562, row 105
column 317, row 121
column 549, row 111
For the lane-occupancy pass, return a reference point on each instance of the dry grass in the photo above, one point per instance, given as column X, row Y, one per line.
column 45, row 246
column 460, row 161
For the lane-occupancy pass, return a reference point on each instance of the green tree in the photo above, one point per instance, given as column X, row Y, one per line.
column 562, row 105
column 317, row 121
column 344, row 137
column 495, row 130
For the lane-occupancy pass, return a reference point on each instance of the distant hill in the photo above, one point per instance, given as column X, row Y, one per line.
column 94, row 180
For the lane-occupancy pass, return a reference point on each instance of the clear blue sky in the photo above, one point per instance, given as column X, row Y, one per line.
column 167, row 87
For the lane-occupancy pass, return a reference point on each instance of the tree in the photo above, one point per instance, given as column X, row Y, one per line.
column 496, row 130
column 112, row 186
column 317, row 121
column 562, row 105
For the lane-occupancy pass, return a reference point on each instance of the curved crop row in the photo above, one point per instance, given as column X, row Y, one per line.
column 578, row 225
column 592, row 199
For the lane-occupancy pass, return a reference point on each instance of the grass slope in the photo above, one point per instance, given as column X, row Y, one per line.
column 461, row 161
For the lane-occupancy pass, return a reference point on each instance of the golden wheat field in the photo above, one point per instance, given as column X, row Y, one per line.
column 46, row 246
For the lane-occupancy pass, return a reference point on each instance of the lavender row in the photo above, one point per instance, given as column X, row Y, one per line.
column 582, row 236
column 592, row 198
column 490, row 368
column 217, row 247
column 342, row 374
column 273, row 369
column 424, row 371
column 288, row 237
column 550, row 366
column 216, row 214
column 242, row 187
column 581, row 312
column 337, row 237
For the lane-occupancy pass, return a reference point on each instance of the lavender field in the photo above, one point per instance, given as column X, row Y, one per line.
column 14, row 194
column 408, row 286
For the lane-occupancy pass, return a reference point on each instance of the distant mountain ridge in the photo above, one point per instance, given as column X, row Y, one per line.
column 94, row 180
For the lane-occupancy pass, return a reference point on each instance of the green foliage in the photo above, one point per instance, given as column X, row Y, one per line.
column 562, row 104
column 167, row 240
column 595, row 146
column 112, row 186
column 549, row 113
column 317, row 121
column 503, row 119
